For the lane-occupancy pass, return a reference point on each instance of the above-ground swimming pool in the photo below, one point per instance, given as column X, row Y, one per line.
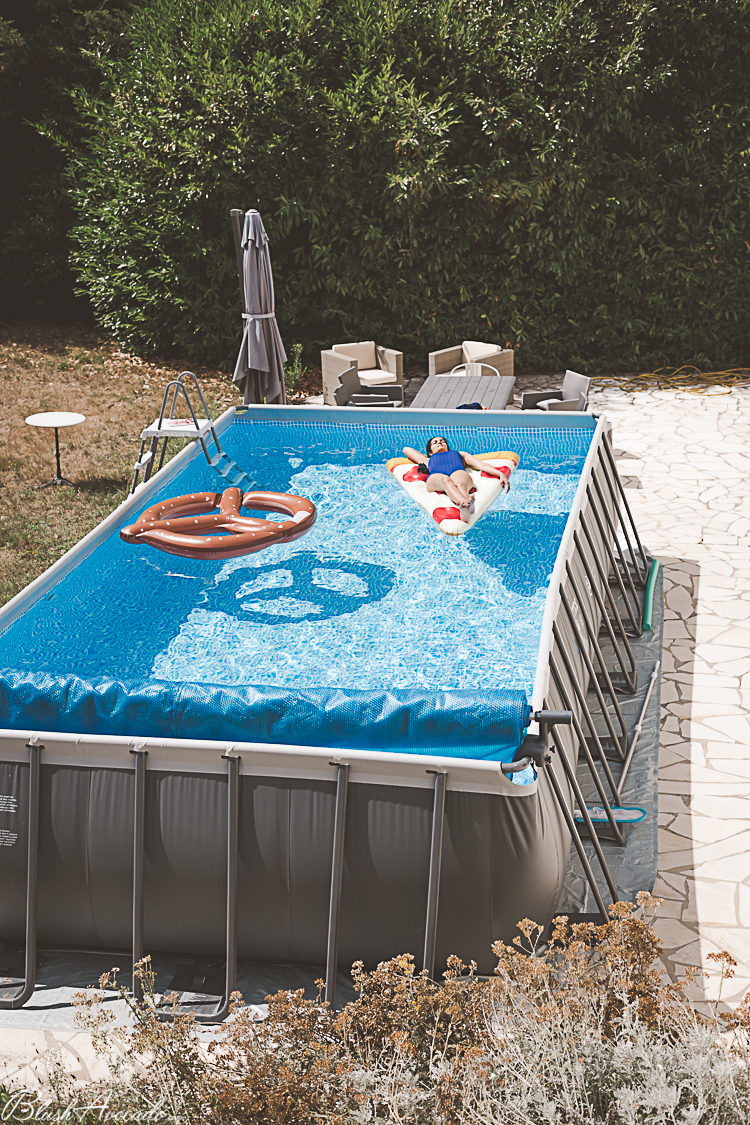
column 366, row 681
column 373, row 599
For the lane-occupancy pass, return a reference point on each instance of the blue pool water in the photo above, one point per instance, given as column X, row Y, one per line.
column 373, row 597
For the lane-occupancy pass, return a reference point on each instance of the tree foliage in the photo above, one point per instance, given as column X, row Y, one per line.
column 45, row 50
column 566, row 175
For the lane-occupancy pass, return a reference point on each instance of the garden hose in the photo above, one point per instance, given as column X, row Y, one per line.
column 648, row 606
column 686, row 378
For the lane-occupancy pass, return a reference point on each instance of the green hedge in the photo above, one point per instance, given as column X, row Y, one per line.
column 570, row 176
column 46, row 48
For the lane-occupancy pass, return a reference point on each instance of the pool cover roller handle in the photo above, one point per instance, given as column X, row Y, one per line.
column 536, row 747
column 32, row 870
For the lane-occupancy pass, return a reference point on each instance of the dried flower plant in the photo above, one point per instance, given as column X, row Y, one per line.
column 579, row 1030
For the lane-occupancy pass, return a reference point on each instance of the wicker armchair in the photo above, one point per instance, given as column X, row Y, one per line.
column 351, row 392
column 471, row 351
column 376, row 367
column 573, row 395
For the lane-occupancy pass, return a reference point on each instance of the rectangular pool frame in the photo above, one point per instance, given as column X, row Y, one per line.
column 599, row 539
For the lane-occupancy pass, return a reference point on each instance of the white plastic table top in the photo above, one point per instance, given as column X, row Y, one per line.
column 55, row 419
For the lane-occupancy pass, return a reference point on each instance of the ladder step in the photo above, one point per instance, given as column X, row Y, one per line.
column 232, row 473
column 619, row 682
column 611, row 752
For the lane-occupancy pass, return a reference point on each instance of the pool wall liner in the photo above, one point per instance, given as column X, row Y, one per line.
column 505, row 848
column 499, row 864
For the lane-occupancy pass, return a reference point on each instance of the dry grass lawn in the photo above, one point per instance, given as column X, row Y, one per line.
column 50, row 367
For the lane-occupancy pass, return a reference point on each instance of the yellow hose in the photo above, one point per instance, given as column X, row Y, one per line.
column 686, row 378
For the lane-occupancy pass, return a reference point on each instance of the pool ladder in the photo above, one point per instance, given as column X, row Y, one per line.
column 167, row 426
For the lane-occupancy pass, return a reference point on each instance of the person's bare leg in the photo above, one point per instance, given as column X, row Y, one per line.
column 455, row 490
column 464, row 483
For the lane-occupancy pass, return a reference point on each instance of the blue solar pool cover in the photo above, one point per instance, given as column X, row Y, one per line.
column 461, row 724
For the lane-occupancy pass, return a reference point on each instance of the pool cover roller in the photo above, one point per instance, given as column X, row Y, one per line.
column 463, row 724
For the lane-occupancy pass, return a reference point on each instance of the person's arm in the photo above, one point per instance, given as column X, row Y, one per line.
column 413, row 455
column 485, row 467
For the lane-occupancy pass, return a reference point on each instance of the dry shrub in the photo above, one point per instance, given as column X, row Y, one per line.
column 582, row 1030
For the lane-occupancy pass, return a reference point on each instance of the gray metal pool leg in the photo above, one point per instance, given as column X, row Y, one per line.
column 617, row 833
column 596, row 648
column 337, row 874
column 620, row 570
column 32, row 871
column 233, row 862
column 573, row 781
column 139, row 839
column 614, row 475
column 433, row 884
column 538, row 747
column 619, row 743
column 233, row 859
column 579, row 844
column 627, row 681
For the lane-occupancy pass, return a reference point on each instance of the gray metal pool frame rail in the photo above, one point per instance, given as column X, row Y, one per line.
column 26, row 990
column 598, row 590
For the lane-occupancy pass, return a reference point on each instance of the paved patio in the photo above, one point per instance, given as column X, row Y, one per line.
column 686, row 463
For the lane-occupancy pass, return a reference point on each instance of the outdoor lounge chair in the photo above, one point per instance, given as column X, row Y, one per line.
column 471, row 351
column 573, row 395
column 351, row 392
column 376, row 367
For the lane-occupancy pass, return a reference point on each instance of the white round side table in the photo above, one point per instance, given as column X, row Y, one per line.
column 56, row 419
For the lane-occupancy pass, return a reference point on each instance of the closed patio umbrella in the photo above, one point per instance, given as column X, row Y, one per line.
column 260, row 364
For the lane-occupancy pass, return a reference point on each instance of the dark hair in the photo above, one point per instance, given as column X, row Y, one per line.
column 429, row 443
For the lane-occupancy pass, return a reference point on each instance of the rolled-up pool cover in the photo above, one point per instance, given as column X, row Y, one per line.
column 465, row 724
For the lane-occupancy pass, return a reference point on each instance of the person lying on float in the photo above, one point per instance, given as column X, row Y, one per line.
column 446, row 472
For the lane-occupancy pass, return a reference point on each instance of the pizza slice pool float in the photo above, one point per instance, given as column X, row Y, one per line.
column 485, row 489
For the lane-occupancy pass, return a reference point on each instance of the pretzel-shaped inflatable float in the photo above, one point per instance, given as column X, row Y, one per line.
column 183, row 525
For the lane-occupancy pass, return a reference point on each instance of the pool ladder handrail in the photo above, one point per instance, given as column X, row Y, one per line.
column 204, row 427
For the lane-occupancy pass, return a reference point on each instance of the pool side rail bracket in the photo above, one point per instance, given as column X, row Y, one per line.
column 139, row 847
column 337, row 876
column 433, row 879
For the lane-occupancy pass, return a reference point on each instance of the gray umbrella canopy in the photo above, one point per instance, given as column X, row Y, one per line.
column 260, row 364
